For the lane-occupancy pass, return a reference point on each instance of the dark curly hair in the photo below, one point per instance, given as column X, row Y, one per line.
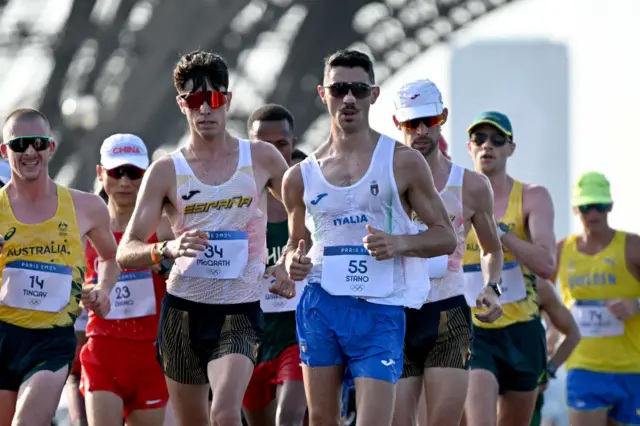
column 201, row 67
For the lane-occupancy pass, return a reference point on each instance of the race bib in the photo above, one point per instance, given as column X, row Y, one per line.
column 351, row 271
column 133, row 296
column 270, row 302
column 36, row 286
column 512, row 285
column 224, row 258
column 437, row 266
column 595, row 320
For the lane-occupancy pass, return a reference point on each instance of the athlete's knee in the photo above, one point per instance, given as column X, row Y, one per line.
column 324, row 418
column 290, row 414
column 225, row 416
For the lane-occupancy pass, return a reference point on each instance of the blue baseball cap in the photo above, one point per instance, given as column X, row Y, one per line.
column 494, row 118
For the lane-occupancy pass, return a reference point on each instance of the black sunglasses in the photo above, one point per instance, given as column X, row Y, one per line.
column 599, row 207
column 131, row 172
column 497, row 139
column 340, row 90
column 22, row 143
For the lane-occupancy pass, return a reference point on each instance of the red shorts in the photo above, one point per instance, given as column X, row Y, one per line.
column 127, row 368
column 268, row 375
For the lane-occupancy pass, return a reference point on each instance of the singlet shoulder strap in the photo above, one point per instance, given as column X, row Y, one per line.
column 307, row 167
column 244, row 152
column 180, row 163
column 456, row 176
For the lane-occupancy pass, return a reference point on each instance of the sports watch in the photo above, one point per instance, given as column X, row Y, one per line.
column 503, row 229
column 551, row 369
column 157, row 252
column 496, row 287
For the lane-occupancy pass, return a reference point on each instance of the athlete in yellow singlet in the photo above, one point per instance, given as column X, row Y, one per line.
column 508, row 355
column 42, row 266
column 599, row 276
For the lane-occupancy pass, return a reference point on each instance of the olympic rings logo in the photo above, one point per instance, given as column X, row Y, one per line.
column 35, row 302
column 357, row 287
column 214, row 271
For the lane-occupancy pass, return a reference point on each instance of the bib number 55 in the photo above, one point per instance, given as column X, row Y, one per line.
column 358, row 267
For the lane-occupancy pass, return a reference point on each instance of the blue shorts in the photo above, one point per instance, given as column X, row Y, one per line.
column 340, row 330
column 617, row 392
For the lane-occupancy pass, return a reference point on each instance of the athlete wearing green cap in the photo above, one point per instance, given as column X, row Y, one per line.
column 599, row 275
column 509, row 355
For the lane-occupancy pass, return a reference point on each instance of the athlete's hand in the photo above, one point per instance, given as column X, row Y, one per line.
column 298, row 264
column 623, row 309
column 284, row 286
column 381, row 245
column 96, row 298
column 187, row 244
column 490, row 300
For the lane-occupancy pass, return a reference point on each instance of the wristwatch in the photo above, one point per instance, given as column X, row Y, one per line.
column 157, row 254
column 551, row 369
column 495, row 286
column 503, row 229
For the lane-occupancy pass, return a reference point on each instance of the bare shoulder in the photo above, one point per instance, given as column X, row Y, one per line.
column 86, row 202
column 405, row 157
column 534, row 194
column 162, row 167
column 476, row 184
column 633, row 241
column 263, row 152
column 293, row 176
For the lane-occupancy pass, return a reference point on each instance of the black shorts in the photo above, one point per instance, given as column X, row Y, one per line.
column 515, row 354
column 191, row 334
column 438, row 335
column 25, row 351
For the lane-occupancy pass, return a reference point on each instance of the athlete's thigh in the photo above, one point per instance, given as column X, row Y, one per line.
column 482, row 398
column 75, row 401
column 190, row 403
column 104, row 408
column 323, row 388
column 151, row 417
column 408, row 391
column 39, row 396
column 291, row 403
column 7, row 406
column 229, row 377
column 445, row 404
column 375, row 401
column 515, row 408
column 589, row 418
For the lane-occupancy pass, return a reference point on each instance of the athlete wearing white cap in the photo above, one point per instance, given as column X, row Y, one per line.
column 438, row 335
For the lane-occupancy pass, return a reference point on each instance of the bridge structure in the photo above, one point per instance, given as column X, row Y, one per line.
column 98, row 67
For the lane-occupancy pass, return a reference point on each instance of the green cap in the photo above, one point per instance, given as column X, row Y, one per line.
column 591, row 188
column 494, row 118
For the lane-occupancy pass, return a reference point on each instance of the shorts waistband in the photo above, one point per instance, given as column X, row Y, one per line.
column 458, row 301
column 55, row 331
column 354, row 302
column 191, row 306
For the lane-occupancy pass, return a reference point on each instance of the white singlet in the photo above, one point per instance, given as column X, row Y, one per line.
column 230, row 269
column 447, row 276
column 337, row 217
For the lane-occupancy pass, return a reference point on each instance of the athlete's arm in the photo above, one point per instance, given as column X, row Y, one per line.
column 134, row 251
column 294, row 256
column 102, row 239
column 478, row 195
column 623, row 309
column 561, row 320
column 164, row 233
column 411, row 167
column 554, row 276
column 538, row 255
column 274, row 164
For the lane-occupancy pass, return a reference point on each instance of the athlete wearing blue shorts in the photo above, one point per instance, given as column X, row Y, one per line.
column 357, row 192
